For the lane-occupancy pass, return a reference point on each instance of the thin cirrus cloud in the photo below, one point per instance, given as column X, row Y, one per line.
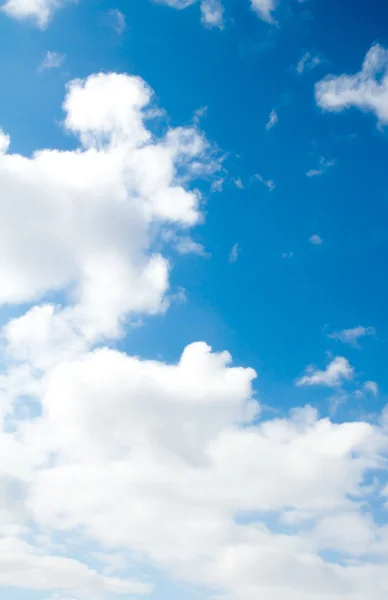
column 324, row 165
column 116, row 20
column 308, row 62
column 272, row 120
column 353, row 335
column 52, row 60
column 269, row 183
column 234, row 253
column 367, row 90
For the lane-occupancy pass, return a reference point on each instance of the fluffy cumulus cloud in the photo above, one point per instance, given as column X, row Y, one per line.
column 39, row 12
column 112, row 459
column 336, row 372
column 96, row 209
column 366, row 90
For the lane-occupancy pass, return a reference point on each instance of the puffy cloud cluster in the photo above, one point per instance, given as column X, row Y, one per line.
column 166, row 464
column 39, row 12
column 83, row 221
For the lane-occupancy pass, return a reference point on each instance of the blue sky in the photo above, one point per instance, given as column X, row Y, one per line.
column 203, row 185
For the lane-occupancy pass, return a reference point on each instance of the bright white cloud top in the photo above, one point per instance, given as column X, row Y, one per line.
column 366, row 90
column 165, row 464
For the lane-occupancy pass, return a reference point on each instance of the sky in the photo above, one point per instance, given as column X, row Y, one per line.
column 193, row 251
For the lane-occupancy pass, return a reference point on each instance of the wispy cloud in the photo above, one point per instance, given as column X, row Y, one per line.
column 353, row 335
column 336, row 372
column 316, row 240
column 371, row 387
column 324, row 165
column 308, row 62
column 234, row 253
column 272, row 120
column 52, row 60
column 269, row 183
column 116, row 20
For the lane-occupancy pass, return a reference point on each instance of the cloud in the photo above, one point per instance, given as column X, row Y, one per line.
column 269, row 183
column 324, row 165
column 5, row 141
column 52, row 60
column 336, row 372
column 24, row 566
column 102, row 200
column 184, row 244
column 366, row 90
column 117, row 20
column 308, row 62
column 371, row 387
column 168, row 463
column 39, row 12
column 264, row 9
column 353, row 335
column 234, row 253
column 272, row 121
column 212, row 13
column 316, row 240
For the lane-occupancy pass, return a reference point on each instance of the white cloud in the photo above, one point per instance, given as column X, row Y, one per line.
column 23, row 565
column 163, row 459
column 308, row 62
column 52, row 60
column 371, row 387
column 272, row 120
column 324, row 165
column 269, row 183
column 212, row 13
column 264, row 9
column 4, row 142
column 238, row 183
column 316, row 240
column 336, row 372
column 88, row 213
column 234, row 253
column 168, row 462
column 117, row 20
column 38, row 11
column 366, row 90
column 353, row 335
